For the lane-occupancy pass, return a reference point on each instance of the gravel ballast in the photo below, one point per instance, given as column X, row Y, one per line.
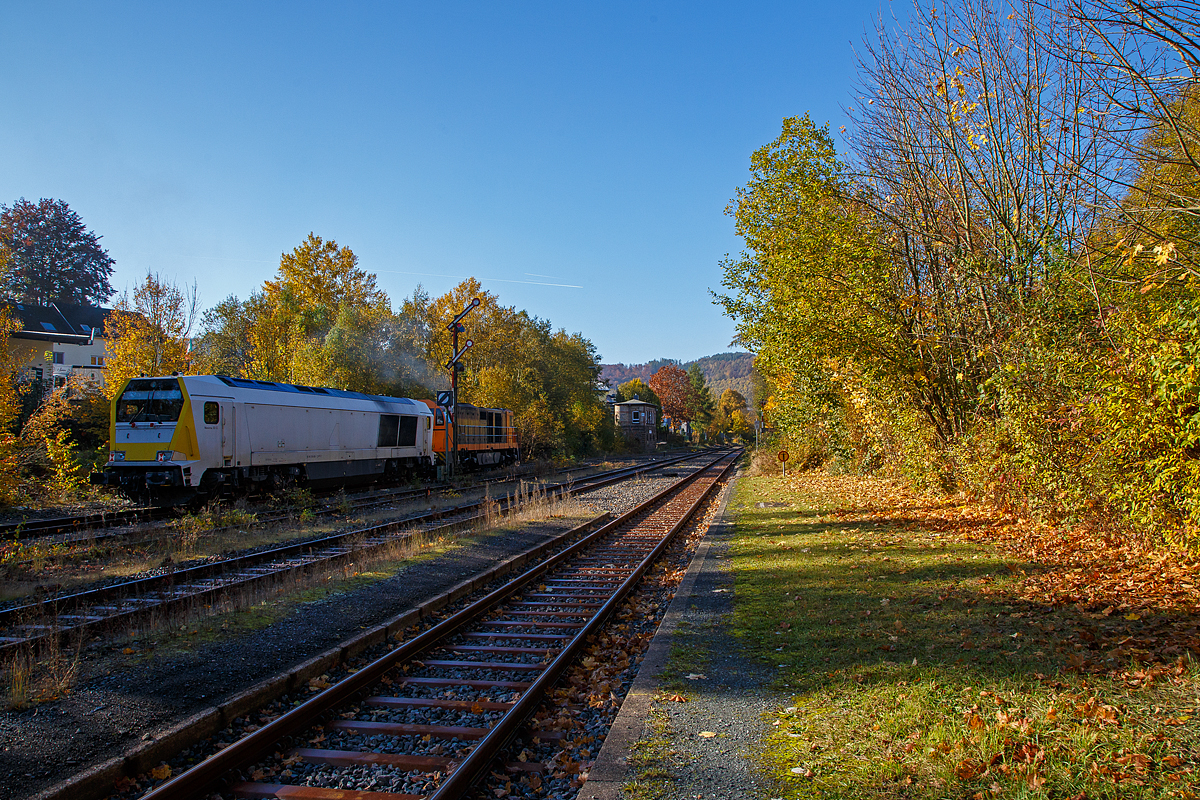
column 121, row 700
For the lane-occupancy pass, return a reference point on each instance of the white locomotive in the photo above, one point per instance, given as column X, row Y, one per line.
column 174, row 438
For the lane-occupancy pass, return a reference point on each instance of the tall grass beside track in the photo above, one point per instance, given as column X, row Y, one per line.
column 919, row 655
column 50, row 671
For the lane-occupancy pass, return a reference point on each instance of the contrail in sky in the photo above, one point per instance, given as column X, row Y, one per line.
column 479, row 278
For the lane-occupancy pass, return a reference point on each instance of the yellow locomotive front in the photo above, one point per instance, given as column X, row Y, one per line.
column 152, row 441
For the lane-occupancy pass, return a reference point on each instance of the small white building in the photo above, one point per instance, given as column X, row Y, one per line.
column 56, row 342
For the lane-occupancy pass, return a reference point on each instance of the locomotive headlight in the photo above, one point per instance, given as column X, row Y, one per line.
column 164, row 455
column 116, row 455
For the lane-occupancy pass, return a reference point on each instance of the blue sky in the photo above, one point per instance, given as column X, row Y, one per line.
column 538, row 147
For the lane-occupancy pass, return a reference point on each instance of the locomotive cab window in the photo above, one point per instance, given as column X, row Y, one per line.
column 212, row 413
column 150, row 400
column 439, row 417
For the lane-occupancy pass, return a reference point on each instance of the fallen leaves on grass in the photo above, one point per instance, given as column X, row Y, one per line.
column 1151, row 590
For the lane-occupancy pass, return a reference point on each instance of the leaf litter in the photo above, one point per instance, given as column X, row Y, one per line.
column 1083, row 647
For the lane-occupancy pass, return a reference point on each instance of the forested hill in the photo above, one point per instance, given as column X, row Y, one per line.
column 722, row 371
column 616, row 374
column 728, row 371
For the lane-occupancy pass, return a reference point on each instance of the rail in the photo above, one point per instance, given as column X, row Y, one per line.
column 91, row 610
column 545, row 616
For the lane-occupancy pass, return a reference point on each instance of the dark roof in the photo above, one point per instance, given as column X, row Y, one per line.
column 58, row 321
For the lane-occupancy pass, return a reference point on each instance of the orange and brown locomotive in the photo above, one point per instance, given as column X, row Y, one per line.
column 487, row 437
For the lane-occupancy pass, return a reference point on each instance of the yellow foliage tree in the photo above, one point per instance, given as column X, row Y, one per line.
column 321, row 321
column 549, row 378
column 10, row 407
column 148, row 331
column 495, row 329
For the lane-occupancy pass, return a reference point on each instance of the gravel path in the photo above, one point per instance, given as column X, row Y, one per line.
column 729, row 701
column 119, row 700
column 707, row 744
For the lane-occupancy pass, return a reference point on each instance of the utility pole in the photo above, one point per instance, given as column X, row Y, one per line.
column 455, row 367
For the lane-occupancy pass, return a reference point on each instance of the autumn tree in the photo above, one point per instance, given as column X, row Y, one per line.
column 731, row 415
column 11, row 364
column 147, row 331
column 494, row 328
column 994, row 286
column 638, row 389
column 47, row 255
column 1142, row 60
column 549, row 378
column 674, row 389
column 320, row 321
column 813, row 291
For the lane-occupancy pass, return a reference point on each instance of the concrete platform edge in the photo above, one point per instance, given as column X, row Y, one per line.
column 611, row 769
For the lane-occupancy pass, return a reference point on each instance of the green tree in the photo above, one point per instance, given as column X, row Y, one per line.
column 223, row 346
column 702, row 406
column 47, row 255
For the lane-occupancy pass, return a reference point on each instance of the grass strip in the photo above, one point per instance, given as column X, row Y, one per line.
column 913, row 663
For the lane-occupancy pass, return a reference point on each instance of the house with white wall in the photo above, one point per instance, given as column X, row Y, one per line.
column 58, row 341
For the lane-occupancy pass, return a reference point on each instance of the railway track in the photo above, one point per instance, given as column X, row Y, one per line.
column 476, row 679
column 75, row 526
column 121, row 604
column 90, row 528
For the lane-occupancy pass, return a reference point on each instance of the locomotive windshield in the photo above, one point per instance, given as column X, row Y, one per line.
column 150, row 400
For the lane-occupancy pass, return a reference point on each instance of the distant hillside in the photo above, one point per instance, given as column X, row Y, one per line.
column 722, row 371
column 616, row 374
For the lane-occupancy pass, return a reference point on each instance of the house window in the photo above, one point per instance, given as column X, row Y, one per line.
column 58, row 357
column 637, row 416
column 97, row 361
